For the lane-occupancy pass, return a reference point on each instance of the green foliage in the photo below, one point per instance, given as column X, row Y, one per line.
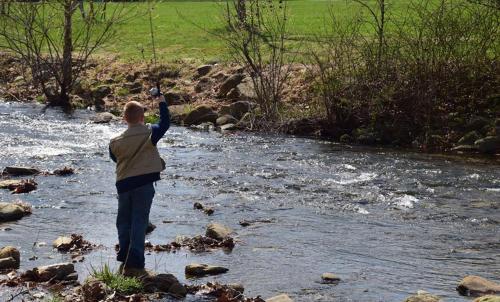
column 151, row 119
column 122, row 91
column 54, row 298
column 116, row 281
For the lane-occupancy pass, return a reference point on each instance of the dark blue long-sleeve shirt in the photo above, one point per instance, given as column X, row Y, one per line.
column 157, row 132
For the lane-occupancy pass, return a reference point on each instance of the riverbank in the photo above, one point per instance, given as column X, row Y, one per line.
column 222, row 96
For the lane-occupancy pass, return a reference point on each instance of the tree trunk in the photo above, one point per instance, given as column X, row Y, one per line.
column 67, row 73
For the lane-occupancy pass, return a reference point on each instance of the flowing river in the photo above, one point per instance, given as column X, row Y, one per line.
column 388, row 223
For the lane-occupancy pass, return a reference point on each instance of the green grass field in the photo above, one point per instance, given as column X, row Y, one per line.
column 183, row 28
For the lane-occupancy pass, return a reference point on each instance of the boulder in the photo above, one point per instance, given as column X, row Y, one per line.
column 200, row 114
column 165, row 283
column 228, row 127
column 489, row 144
column 133, row 87
column 101, row 92
column 247, row 91
column 7, row 183
column 8, row 263
column 61, row 271
column 280, row 298
column 236, row 109
column 203, row 70
column 233, row 94
column 176, row 98
column 477, row 286
column 13, row 253
column 330, row 278
column 422, row 296
column 200, row 270
column 217, row 231
column 203, row 85
column 469, row 138
column 11, row 212
column 63, row 243
column 230, row 83
column 488, row 298
column 104, row 118
column 178, row 113
column 226, row 119
column 18, row 171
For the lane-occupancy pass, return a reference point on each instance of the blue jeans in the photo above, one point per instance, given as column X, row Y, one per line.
column 132, row 222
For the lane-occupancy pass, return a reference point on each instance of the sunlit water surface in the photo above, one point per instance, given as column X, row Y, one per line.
column 388, row 223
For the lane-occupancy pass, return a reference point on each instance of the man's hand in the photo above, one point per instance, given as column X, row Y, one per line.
column 161, row 98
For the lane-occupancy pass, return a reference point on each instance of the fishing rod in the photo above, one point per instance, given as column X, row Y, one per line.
column 155, row 91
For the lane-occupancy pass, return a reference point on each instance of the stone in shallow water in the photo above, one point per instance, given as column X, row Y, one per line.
column 218, row 231
column 18, row 171
column 477, row 286
column 330, row 278
column 11, row 211
column 200, row 270
column 62, row 243
column 13, row 258
column 7, row 183
column 488, row 298
column 280, row 298
column 60, row 271
column 423, row 296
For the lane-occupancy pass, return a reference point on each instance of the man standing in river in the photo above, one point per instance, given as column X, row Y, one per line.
column 138, row 166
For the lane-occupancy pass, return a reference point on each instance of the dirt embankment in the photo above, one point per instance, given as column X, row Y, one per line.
column 222, row 96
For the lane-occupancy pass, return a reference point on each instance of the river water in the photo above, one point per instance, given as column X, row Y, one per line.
column 388, row 223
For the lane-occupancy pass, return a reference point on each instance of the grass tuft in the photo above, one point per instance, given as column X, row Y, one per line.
column 116, row 281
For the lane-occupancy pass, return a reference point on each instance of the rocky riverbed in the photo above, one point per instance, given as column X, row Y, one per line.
column 313, row 219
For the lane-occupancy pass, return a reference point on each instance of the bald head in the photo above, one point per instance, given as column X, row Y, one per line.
column 133, row 113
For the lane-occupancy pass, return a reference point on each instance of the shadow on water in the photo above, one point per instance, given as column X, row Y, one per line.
column 388, row 223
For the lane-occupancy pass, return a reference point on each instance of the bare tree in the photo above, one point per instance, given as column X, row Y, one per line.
column 55, row 43
column 256, row 38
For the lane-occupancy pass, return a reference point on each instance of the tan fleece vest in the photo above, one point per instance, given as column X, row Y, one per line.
column 135, row 153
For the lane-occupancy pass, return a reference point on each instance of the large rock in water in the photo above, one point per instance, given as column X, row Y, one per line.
column 200, row 114
column 423, row 296
column 489, row 144
column 218, row 231
column 18, row 171
column 11, row 212
column 477, row 286
column 104, row 118
column 488, row 298
column 12, row 258
column 200, row 270
column 237, row 109
column 280, row 298
column 165, row 283
column 230, row 83
column 61, row 271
